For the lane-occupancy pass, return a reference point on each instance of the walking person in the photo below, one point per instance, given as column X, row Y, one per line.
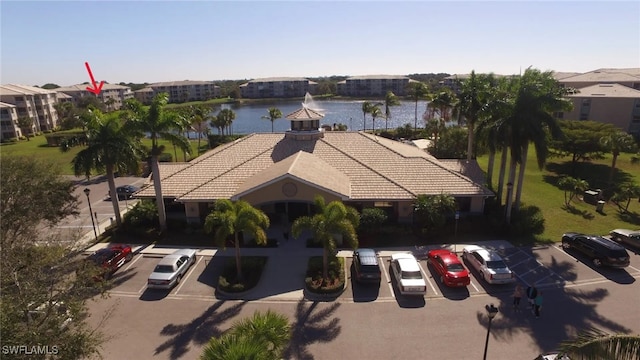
column 532, row 292
column 538, row 304
column 517, row 295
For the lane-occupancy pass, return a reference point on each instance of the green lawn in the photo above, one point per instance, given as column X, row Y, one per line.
column 37, row 147
column 540, row 190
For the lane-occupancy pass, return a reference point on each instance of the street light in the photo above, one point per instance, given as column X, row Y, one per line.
column 492, row 311
column 87, row 191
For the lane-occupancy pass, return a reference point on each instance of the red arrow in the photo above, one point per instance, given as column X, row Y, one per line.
column 93, row 88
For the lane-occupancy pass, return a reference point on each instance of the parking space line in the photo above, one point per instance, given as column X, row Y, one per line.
column 133, row 262
column 426, row 278
column 474, row 285
column 143, row 287
column 183, row 280
column 637, row 270
column 386, row 275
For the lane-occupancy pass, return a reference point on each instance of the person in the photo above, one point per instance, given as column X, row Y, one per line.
column 532, row 292
column 538, row 304
column 517, row 295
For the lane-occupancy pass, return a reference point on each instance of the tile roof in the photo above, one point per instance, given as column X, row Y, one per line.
column 607, row 75
column 181, row 83
column 375, row 168
column 304, row 113
column 277, row 79
column 83, row 87
column 377, row 77
column 147, row 89
column 14, row 89
column 606, row 90
column 6, row 105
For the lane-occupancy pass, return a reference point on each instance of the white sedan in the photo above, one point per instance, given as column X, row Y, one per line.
column 489, row 265
column 171, row 269
column 406, row 271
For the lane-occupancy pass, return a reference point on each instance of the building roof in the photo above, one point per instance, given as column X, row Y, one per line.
column 6, row 105
column 607, row 75
column 277, row 79
column 147, row 89
column 14, row 89
column 83, row 87
column 304, row 113
column 378, row 77
column 181, row 83
column 607, row 90
column 375, row 169
column 558, row 75
column 62, row 95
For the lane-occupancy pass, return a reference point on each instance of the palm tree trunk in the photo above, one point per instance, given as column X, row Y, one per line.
column 503, row 168
column 199, row 137
column 512, row 179
column 492, row 159
column 157, row 186
column 523, row 166
column 112, row 190
column 386, row 124
column 175, row 152
column 238, row 264
column 272, row 126
column 470, row 140
column 613, row 168
column 325, row 264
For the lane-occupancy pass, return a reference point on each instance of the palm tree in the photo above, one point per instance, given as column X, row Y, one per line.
column 472, row 100
column 442, row 102
column 366, row 108
column 159, row 125
column 417, row 91
column 375, row 113
column 225, row 118
column 263, row 336
column 111, row 147
column 595, row 344
column 390, row 99
column 230, row 218
column 274, row 114
column 200, row 116
column 537, row 96
column 330, row 220
column 617, row 142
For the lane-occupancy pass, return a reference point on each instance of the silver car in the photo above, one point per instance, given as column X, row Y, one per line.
column 171, row 269
column 406, row 270
column 490, row 265
column 626, row 236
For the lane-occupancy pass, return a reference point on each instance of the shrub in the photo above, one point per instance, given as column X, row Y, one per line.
column 314, row 281
column 252, row 267
column 165, row 157
column 143, row 215
column 527, row 220
column 372, row 218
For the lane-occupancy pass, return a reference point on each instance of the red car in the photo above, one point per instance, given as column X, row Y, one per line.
column 111, row 259
column 449, row 267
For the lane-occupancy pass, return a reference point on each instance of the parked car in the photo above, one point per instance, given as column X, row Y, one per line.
column 552, row 356
column 447, row 265
column 125, row 192
column 111, row 259
column 489, row 265
column 406, row 271
column 366, row 266
column 626, row 236
column 601, row 251
column 171, row 269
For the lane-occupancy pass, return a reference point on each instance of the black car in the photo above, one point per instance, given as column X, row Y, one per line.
column 125, row 192
column 601, row 251
column 365, row 265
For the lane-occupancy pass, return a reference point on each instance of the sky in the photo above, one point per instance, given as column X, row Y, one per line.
column 148, row 41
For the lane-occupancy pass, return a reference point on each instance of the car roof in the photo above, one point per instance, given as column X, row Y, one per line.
column 406, row 261
column 367, row 256
column 181, row 252
column 446, row 255
column 484, row 253
column 626, row 231
column 606, row 242
column 169, row 260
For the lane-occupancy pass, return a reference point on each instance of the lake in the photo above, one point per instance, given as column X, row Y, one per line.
column 349, row 112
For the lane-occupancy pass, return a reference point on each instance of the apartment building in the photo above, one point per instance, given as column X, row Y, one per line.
column 33, row 102
column 277, row 87
column 608, row 103
column 112, row 95
column 373, row 85
column 9, row 122
column 179, row 91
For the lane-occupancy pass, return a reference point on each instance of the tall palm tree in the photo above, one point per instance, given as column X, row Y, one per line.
column 472, row 100
column 390, row 99
column 442, row 102
column 375, row 113
column 274, row 114
column 158, row 124
column 111, row 147
column 263, row 336
column 225, row 118
column 366, row 108
column 417, row 90
column 617, row 142
column 199, row 117
column 330, row 219
column 230, row 218
column 537, row 96
column 595, row 344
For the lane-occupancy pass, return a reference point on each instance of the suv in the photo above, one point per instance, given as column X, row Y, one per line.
column 600, row 250
column 365, row 265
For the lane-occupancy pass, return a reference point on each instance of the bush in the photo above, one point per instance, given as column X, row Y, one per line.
column 143, row 215
column 165, row 157
column 527, row 220
column 216, row 140
column 314, row 281
column 252, row 267
column 372, row 218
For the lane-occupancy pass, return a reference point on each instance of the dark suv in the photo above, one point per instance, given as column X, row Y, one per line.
column 365, row 265
column 600, row 250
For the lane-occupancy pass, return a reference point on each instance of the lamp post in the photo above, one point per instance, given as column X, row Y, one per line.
column 492, row 311
column 87, row 191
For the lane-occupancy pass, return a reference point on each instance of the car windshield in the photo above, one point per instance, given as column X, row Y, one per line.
column 411, row 275
column 619, row 254
column 455, row 268
column 163, row 269
column 496, row 264
column 370, row 268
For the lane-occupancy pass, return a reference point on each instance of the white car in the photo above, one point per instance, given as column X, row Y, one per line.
column 171, row 269
column 406, row 271
column 489, row 265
